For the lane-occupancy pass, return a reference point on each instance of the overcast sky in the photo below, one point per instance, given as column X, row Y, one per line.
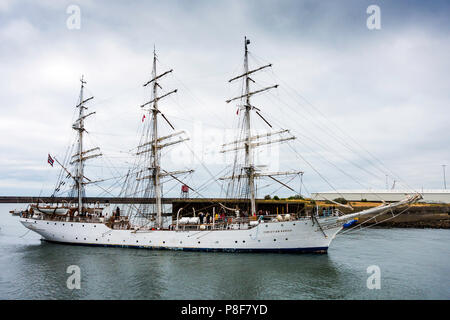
column 345, row 90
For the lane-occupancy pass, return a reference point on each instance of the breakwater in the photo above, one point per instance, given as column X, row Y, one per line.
column 421, row 215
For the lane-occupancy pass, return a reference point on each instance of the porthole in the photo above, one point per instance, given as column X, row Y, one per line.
column 82, row 225
column 243, row 241
column 267, row 226
column 95, row 226
column 137, row 241
column 286, row 239
column 235, row 241
column 76, row 238
column 274, row 239
column 199, row 242
column 96, row 239
column 47, row 222
column 55, row 223
column 71, row 225
column 281, row 224
column 181, row 241
column 164, row 242
column 64, row 224
column 293, row 224
column 84, row 238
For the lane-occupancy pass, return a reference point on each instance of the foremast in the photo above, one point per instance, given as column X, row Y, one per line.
column 250, row 142
column 80, row 170
column 155, row 152
column 81, row 154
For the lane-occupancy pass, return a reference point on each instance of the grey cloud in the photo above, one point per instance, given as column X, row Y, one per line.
column 389, row 89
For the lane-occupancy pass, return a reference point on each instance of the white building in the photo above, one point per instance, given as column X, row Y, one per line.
column 435, row 195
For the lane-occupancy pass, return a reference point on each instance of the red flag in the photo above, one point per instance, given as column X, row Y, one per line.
column 237, row 111
column 143, row 117
column 50, row 160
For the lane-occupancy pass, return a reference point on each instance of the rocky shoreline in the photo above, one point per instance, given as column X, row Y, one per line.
column 419, row 216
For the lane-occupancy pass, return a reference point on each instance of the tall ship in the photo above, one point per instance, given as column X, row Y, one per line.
column 231, row 228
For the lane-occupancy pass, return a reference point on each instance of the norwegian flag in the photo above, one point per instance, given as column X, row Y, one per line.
column 143, row 118
column 50, row 160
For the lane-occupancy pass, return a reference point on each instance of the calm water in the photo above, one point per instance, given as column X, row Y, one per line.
column 414, row 263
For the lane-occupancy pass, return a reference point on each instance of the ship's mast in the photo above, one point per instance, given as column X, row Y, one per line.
column 250, row 142
column 248, row 146
column 155, row 149
column 154, row 145
column 82, row 154
column 80, row 174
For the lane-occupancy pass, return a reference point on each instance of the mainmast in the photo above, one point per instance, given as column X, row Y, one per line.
column 250, row 142
column 248, row 146
column 153, row 144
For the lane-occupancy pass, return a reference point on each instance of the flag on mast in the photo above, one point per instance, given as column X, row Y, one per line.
column 143, row 117
column 50, row 160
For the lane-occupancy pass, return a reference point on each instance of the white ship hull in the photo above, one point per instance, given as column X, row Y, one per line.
column 288, row 236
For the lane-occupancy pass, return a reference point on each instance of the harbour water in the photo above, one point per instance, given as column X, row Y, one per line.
column 414, row 264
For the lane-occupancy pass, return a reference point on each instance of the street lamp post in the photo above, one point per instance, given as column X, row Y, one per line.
column 445, row 183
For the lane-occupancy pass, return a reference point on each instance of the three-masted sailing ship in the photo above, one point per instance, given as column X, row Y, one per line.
column 147, row 226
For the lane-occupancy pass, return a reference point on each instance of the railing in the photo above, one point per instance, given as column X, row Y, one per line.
column 123, row 222
column 232, row 223
column 68, row 218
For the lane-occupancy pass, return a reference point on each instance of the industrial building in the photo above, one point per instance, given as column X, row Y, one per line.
column 430, row 196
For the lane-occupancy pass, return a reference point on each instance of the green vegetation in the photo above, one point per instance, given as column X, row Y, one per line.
column 340, row 200
column 267, row 197
column 296, row 197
